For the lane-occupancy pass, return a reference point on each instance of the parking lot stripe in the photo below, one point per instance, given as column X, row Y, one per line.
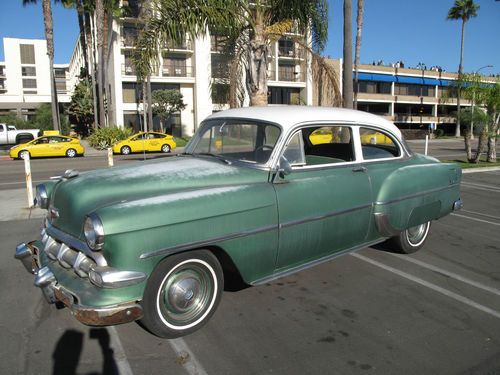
column 480, row 214
column 119, row 354
column 186, row 357
column 429, row 285
column 481, row 187
column 473, row 218
column 447, row 273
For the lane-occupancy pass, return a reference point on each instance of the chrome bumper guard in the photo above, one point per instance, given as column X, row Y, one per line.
column 47, row 282
column 458, row 205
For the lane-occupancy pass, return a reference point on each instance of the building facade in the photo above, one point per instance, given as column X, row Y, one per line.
column 25, row 77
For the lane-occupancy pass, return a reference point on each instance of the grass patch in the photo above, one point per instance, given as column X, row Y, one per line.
column 181, row 142
column 465, row 165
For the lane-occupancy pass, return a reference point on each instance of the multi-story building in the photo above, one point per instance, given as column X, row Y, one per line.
column 412, row 98
column 25, row 77
column 199, row 70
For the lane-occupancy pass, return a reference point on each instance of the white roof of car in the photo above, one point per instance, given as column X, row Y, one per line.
column 288, row 116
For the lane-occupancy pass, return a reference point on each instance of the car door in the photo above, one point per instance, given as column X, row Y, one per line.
column 40, row 147
column 154, row 142
column 324, row 204
column 137, row 143
column 56, row 146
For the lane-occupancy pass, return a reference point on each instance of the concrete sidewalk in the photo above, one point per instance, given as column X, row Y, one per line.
column 15, row 206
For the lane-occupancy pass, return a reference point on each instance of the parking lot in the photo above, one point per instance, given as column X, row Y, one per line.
column 433, row 312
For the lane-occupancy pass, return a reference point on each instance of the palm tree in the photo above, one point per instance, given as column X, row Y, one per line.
column 462, row 10
column 359, row 28
column 249, row 25
column 347, row 64
column 49, row 36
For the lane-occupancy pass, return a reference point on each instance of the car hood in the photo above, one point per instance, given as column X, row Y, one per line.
column 135, row 183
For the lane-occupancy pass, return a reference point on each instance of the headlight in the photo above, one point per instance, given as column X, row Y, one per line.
column 42, row 197
column 94, row 232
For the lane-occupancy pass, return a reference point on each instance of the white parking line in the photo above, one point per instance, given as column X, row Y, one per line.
column 447, row 273
column 481, row 187
column 481, row 214
column 429, row 285
column 119, row 354
column 188, row 360
column 473, row 218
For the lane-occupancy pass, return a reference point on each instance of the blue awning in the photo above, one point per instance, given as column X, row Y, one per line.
column 444, row 82
column 375, row 77
column 431, row 81
column 413, row 80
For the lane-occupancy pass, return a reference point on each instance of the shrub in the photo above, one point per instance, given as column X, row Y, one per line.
column 105, row 137
column 438, row 133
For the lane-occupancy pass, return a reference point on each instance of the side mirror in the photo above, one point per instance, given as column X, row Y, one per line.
column 284, row 167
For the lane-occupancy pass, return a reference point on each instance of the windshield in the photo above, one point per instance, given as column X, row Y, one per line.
column 242, row 140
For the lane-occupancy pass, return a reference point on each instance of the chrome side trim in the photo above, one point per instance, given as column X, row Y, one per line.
column 313, row 263
column 211, row 241
column 384, row 227
column 324, row 216
column 113, row 278
column 381, row 203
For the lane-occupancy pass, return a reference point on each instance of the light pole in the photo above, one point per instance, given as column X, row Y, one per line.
column 473, row 100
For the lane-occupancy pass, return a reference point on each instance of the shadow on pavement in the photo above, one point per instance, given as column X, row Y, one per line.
column 68, row 350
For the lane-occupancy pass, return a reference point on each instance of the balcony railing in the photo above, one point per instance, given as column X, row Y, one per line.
column 185, row 45
column 128, row 70
column 290, row 76
column 168, row 70
column 291, row 52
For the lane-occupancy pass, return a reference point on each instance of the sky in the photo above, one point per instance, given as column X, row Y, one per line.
column 393, row 30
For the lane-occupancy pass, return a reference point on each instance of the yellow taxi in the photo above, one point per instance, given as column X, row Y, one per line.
column 373, row 137
column 48, row 145
column 145, row 141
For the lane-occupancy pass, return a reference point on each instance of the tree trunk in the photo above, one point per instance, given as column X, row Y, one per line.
column 460, row 71
column 91, row 53
column 49, row 36
column 468, row 146
column 347, row 65
column 359, row 28
column 483, row 137
column 83, row 40
column 150, row 104
column 99, row 9
column 492, row 141
column 257, row 63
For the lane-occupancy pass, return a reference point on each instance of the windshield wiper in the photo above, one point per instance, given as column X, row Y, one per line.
column 219, row 157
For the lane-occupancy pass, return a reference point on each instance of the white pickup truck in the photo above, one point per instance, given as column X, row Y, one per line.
column 10, row 135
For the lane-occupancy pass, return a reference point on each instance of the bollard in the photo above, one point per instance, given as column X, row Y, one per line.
column 426, row 144
column 110, row 157
column 29, row 183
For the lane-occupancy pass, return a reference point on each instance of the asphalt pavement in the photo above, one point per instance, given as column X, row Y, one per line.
column 370, row 312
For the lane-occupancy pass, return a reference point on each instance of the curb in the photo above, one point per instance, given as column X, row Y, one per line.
column 476, row 170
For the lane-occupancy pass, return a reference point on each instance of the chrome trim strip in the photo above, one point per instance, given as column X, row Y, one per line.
column 313, row 263
column 324, row 216
column 211, row 241
column 77, row 244
column 416, row 195
column 458, row 205
column 113, row 278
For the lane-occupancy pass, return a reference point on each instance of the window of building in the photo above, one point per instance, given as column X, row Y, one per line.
column 382, row 109
column 220, row 65
column 61, row 85
column 174, row 67
column 59, row 72
column 220, row 93
column 372, row 87
column 29, row 83
column 286, row 47
column 131, row 92
column 413, row 90
column 283, row 95
column 218, row 43
column 27, row 53
column 286, row 72
column 28, row 71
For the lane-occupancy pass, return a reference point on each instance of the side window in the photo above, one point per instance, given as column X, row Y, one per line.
column 377, row 145
column 329, row 144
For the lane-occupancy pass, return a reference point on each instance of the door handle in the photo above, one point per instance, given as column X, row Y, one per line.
column 359, row 169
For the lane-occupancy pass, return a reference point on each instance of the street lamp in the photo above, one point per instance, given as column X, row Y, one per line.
column 473, row 99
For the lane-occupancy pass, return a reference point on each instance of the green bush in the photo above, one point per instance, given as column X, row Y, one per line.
column 438, row 133
column 105, row 137
column 181, row 142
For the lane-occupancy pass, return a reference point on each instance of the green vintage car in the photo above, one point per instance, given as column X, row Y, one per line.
column 251, row 199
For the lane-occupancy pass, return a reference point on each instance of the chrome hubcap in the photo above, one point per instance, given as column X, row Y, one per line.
column 186, row 294
column 417, row 233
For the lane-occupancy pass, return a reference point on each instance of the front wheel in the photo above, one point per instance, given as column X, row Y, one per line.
column 24, row 154
column 70, row 153
column 411, row 239
column 165, row 148
column 182, row 293
column 125, row 150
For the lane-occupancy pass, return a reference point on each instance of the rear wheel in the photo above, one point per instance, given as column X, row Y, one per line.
column 411, row 239
column 125, row 150
column 24, row 154
column 182, row 293
column 165, row 148
column 70, row 153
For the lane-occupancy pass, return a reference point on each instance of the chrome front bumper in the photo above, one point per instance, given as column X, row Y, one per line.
column 53, row 292
column 458, row 205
